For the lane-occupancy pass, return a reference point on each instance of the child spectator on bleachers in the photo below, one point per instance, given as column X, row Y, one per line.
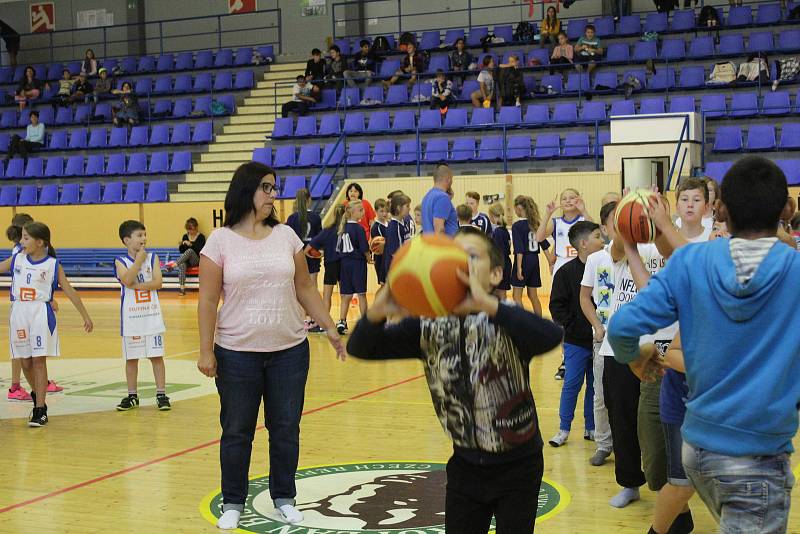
column 65, row 85
column 128, row 111
column 102, row 87
column 413, row 63
column 315, row 72
column 550, row 29
column 363, row 66
column 511, row 86
column 461, row 61
column 483, row 96
column 29, row 88
column 589, row 49
column 334, row 71
column 301, row 98
column 83, row 89
column 563, row 54
column 34, row 139
column 441, row 92
column 89, row 63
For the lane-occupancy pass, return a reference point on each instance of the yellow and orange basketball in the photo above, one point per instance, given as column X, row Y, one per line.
column 423, row 277
column 377, row 244
column 632, row 221
column 313, row 253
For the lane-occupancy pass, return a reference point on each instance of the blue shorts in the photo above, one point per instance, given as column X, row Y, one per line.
column 353, row 277
column 505, row 283
column 530, row 272
column 674, row 441
column 313, row 265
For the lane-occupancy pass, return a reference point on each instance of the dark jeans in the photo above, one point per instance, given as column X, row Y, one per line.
column 438, row 103
column 243, row 380
column 22, row 147
column 300, row 107
column 621, row 393
column 509, row 492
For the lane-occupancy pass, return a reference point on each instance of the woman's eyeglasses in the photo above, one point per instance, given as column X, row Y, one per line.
column 267, row 188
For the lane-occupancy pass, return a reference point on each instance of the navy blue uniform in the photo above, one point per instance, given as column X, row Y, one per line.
column 397, row 234
column 313, row 227
column 326, row 241
column 481, row 220
column 379, row 230
column 353, row 249
column 502, row 240
column 525, row 243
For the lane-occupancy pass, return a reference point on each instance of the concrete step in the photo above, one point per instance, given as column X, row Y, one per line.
column 204, row 187
column 283, row 67
column 206, row 177
column 198, row 197
column 216, row 167
column 282, row 93
column 264, row 101
column 261, row 118
column 209, row 157
column 263, row 128
column 239, row 138
column 224, row 148
column 270, row 109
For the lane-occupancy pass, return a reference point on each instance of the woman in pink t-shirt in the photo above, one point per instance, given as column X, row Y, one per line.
column 255, row 345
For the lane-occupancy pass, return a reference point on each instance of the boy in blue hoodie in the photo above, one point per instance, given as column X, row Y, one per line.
column 744, row 394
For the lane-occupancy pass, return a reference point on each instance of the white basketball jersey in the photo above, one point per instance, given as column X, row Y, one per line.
column 563, row 250
column 140, row 311
column 33, row 281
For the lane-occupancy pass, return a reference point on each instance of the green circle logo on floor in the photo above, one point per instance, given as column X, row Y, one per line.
column 364, row 498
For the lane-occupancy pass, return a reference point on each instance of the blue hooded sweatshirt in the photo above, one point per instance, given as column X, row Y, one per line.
column 741, row 345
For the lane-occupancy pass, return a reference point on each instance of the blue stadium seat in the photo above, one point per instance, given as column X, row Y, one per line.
column 34, row 168
column 728, row 139
column 159, row 135
column 383, row 153
column 578, row 82
column 682, row 20
column 463, row 149
column 673, row 49
column 244, row 56
column 8, row 195
column 713, row 105
column 54, row 167
column 618, row 53
column 223, row 81
column 182, row 109
column 776, row 103
column 421, row 91
column 739, row 16
column 701, row 47
column 112, row 193
column 744, row 105
column 134, row 192
column 510, row 115
column 333, row 155
column 651, row 106
column 329, row 125
column 576, row 145
column 629, row 25
column 16, row 168
column 203, row 132
column 157, row 191
column 622, row 107
column 438, row 61
column 538, row 54
column 28, row 195
column 181, row 134
column 664, row 78
column 768, row 14
column 605, row 82
column 49, row 195
column 284, row 126
column 137, row 163
column 143, row 86
column 603, row 139
column 146, row 64
column 116, row 165
column 223, row 58
column 656, row 22
column 451, row 36
column 183, row 84
column 5, row 139
column 128, row 65
column 436, row 150
column 604, row 26
column 791, row 168
column 58, row 140
column 575, row 28
column 476, row 33
column 321, row 186
column 202, row 105
column 469, row 87
column 681, row 104
column 63, row 116
column 74, row 166
column 159, row 163
column 263, row 155
column 760, row 137
column 284, row 156
column 77, row 138
column 397, row 95
column 553, row 82
column 789, row 40
column 592, row 111
column 692, row 77
column 537, row 114
column 165, row 63
column 403, row 121
column 291, row 185
column 309, row 155
column 388, row 68
column 8, row 119
column 506, row 32
column 349, row 97
column 429, row 40
column 181, row 162
column 373, row 93
column 790, row 136
column 306, row 127
column 565, row 112
column 70, row 194
column 204, row 59
column 139, row 136
column 358, row 153
column 344, row 46
column 431, row 119
column 760, row 42
column 547, row 146
column 46, row 115
column 491, row 148
column 202, row 82
column 98, row 138
column 378, row 121
column 731, row 44
column 95, row 165
column 480, row 117
column 90, row 193
column 162, row 108
column 644, row 50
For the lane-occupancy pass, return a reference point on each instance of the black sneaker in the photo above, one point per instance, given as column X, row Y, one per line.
column 560, row 373
column 128, row 403
column 38, row 417
column 163, row 402
column 316, row 329
column 341, row 327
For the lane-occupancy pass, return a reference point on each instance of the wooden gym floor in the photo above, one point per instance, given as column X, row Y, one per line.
column 93, row 469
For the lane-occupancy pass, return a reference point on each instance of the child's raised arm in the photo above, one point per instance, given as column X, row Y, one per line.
column 75, row 299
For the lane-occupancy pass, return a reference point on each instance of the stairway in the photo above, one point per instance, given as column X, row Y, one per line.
column 254, row 118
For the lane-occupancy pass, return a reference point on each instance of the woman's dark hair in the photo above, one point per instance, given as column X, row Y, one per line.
column 33, row 72
column 86, row 54
column 239, row 199
column 547, row 14
column 128, row 84
column 191, row 221
column 397, row 202
column 39, row 230
column 459, row 39
column 14, row 232
column 301, row 201
column 487, row 60
column 357, row 188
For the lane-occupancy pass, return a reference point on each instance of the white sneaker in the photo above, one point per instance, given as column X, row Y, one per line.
column 289, row 514
column 559, row 439
column 229, row 520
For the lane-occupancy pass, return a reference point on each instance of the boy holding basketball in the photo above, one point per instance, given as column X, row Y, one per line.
column 743, row 393
column 476, row 364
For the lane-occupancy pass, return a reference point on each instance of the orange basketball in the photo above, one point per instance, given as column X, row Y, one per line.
column 423, row 277
column 631, row 220
column 313, row 253
column 377, row 244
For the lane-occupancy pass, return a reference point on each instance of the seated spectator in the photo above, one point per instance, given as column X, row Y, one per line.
column 102, row 87
column 441, row 92
column 550, row 29
column 363, row 67
column 83, row 89
column 65, row 84
column 563, row 53
column 483, row 96
column 511, row 87
column 191, row 244
column 315, row 72
column 128, row 111
column 34, row 139
column 11, row 37
column 30, row 88
column 461, row 61
column 413, row 62
column 589, row 49
column 335, row 68
column 89, row 63
column 301, row 98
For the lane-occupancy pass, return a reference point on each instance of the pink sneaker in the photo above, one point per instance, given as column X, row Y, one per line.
column 19, row 394
column 52, row 387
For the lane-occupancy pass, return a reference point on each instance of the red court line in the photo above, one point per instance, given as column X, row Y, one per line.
column 183, row 452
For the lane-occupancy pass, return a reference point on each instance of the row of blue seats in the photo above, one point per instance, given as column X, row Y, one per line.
column 92, row 193
column 85, row 113
column 204, row 59
column 138, row 136
column 713, row 105
column 96, row 165
column 164, row 85
column 790, row 167
column 760, row 137
column 100, row 261
column 630, row 25
column 487, row 148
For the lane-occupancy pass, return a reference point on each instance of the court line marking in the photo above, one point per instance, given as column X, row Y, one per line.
column 120, row 472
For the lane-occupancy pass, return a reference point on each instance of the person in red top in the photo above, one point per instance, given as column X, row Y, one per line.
column 354, row 192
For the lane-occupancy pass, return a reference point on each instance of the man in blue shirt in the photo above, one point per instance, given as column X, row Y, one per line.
column 34, row 138
column 438, row 213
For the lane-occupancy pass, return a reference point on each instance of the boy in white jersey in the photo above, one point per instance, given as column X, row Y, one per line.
column 141, row 323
